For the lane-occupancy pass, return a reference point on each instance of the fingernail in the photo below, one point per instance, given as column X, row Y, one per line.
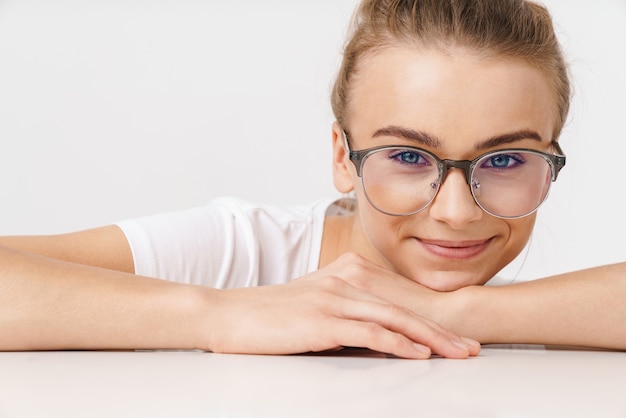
column 471, row 343
column 422, row 349
column 461, row 344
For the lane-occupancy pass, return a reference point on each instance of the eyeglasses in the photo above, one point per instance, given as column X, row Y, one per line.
column 509, row 183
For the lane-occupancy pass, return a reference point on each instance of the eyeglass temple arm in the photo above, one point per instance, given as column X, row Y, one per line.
column 558, row 159
column 346, row 143
column 352, row 155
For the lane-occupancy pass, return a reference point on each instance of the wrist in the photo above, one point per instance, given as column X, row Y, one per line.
column 201, row 308
column 463, row 311
column 175, row 317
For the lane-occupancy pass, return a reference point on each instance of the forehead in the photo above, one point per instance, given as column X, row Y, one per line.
column 456, row 95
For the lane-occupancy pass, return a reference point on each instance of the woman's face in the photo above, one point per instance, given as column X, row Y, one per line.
column 458, row 101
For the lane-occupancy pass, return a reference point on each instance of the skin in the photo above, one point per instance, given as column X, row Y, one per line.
column 461, row 101
column 464, row 100
column 380, row 278
column 60, row 301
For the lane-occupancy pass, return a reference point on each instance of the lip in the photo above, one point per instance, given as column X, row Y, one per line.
column 455, row 250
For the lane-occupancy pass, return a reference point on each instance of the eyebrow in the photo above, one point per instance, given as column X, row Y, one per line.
column 426, row 139
column 508, row 138
column 420, row 137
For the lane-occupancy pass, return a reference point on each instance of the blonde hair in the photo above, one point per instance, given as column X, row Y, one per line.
column 517, row 29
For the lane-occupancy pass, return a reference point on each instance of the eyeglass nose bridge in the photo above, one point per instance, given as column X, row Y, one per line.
column 465, row 165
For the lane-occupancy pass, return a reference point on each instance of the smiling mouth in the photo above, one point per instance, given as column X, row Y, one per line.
column 455, row 250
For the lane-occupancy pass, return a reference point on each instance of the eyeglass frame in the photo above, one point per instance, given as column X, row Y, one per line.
column 555, row 161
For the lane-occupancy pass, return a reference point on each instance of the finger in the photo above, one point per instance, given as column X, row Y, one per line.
column 346, row 301
column 353, row 333
column 402, row 321
column 472, row 345
column 381, row 285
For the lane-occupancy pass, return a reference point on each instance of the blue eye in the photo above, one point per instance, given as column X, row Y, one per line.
column 409, row 157
column 503, row 161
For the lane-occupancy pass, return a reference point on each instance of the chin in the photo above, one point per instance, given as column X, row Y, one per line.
column 448, row 281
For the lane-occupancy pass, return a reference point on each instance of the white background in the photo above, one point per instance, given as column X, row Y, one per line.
column 122, row 108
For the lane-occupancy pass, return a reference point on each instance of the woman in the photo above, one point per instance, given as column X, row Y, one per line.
column 448, row 115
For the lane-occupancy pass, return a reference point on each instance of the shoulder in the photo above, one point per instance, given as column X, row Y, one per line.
column 282, row 241
column 275, row 229
column 279, row 214
column 229, row 242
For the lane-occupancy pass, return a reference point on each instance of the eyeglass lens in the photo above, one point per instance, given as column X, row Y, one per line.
column 509, row 184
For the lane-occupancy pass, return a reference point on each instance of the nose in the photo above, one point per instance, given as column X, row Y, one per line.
column 454, row 203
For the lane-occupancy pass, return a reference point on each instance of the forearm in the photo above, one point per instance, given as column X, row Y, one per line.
column 583, row 308
column 51, row 304
column 103, row 247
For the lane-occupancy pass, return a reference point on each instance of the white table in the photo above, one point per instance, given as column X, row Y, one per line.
column 501, row 382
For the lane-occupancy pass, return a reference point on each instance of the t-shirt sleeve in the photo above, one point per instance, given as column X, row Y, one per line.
column 205, row 246
column 228, row 243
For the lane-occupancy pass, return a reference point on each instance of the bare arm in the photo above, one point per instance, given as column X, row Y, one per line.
column 51, row 304
column 77, row 293
column 73, row 291
column 582, row 308
column 104, row 247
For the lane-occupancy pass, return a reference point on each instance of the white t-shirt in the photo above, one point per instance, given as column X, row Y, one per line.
column 229, row 243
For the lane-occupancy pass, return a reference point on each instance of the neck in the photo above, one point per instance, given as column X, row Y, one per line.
column 337, row 238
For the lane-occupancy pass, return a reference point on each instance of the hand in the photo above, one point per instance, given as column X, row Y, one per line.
column 390, row 286
column 323, row 311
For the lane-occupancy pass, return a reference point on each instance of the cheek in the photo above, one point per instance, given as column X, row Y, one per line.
column 378, row 227
column 379, row 231
column 520, row 231
column 374, row 224
column 382, row 242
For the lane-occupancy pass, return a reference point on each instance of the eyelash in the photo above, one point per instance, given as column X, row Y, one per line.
column 397, row 155
column 517, row 159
